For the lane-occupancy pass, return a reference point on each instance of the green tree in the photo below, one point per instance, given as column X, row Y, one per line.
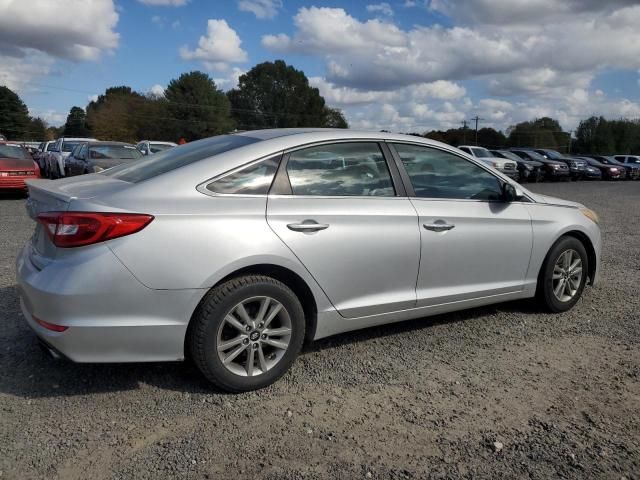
column 115, row 114
column 14, row 115
column 76, row 124
column 276, row 95
column 197, row 107
column 334, row 118
column 542, row 132
column 37, row 130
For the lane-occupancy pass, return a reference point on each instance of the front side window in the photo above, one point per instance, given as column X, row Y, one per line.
column 438, row 174
column 252, row 180
column 69, row 146
column 340, row 169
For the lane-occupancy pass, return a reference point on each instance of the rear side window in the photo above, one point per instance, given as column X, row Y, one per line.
column 254, row 179
column 438, row 174
column 168, row 160
column 341, row 169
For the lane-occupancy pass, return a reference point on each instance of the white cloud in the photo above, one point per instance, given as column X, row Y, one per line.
column 52, row 117
column 231, row 80
column 164, row 3
column 383, row 8
column 19, row 73
column 375, row 55
column 84, row 31
column 261, row 8
column 157, row 90
column 219, row 47
column 93, row 98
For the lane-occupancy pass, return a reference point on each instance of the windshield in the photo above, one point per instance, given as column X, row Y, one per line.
column 69, row 146
column 481, row 153
column 553, row 155
column 159, row 147
column 510, row 155
column 177, row 157
column 102, row 152
column 534, row 155
column 9, row 150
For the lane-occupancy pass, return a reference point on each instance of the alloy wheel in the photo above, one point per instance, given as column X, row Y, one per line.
column 567, row 275
column 254, row 336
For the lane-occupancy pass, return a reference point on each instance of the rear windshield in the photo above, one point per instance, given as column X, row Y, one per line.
column 163, row 162
column 13, row 151
column 103, row 152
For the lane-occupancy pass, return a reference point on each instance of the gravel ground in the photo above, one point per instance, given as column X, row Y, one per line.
column 495, row 392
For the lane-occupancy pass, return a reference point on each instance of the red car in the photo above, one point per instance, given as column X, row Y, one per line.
column 16, row 166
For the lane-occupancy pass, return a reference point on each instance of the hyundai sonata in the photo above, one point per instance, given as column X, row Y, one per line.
column 234, row 249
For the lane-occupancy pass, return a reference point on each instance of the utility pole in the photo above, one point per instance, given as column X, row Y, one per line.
column 464, row 131
column 477, row 119
column 569, row 145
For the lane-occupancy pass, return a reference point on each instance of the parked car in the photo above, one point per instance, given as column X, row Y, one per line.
column 552, row 170
column 92, row 157
column 609, row 172
column 148, row 147
column 59, row 152
column 528, row 170
column 16, row 166
column 576, row 166
column 503, row 165
column 180, row 253
column 41, row 156
column 628, row 159
column 591, row 172
column 632, row 170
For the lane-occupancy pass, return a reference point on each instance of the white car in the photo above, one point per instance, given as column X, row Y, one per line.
column 59, row 152
column 148, row 147
column 503, row 165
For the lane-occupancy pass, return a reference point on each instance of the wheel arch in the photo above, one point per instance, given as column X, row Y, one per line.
column 588, row 246
column 283, row 274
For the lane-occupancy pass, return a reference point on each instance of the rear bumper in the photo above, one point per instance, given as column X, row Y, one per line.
column 110, row 315
column 14, row 183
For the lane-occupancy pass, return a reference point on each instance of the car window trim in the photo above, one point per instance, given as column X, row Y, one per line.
column 281, row 185
column 410, row 189
column 202, row 187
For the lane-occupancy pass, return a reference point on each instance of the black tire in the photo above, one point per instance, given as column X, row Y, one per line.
column 208, row 319
column 544, row 291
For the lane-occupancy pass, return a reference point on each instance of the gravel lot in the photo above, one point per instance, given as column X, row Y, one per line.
column 495, row 392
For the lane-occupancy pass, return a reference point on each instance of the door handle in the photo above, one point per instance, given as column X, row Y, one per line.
column 438, row 227
column 307, row 226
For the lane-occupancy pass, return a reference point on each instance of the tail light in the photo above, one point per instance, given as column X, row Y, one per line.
column 75, row 229
column 51, row 326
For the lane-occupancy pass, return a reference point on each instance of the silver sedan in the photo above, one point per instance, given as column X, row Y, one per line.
column 235, row 249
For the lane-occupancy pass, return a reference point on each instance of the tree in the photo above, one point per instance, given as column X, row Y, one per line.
column 276, row 95
column 197, row 108
column 334, row 118
column 542, row 132
column 14, row 115
column 37, row 129
column 76, row 124
column 115, row 115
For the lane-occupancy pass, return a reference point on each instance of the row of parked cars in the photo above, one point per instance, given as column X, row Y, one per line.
column 77, row 156
column 538, row 164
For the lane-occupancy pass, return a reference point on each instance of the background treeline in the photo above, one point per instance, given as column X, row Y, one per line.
column 276, row 95
column 270, row 95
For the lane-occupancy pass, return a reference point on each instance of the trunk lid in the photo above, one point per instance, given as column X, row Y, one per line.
column 56, row 195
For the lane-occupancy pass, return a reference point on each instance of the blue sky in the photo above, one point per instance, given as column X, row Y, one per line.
column 406, row 65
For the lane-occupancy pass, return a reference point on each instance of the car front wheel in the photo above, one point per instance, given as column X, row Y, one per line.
column 246, row 333
column 564, row 275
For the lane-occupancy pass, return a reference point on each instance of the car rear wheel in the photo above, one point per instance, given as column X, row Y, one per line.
column 563, row 275
column 246, row 333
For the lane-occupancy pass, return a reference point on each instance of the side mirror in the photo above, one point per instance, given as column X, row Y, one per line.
column 509, row 192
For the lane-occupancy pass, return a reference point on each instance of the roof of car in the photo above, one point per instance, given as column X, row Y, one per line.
column 108, row 142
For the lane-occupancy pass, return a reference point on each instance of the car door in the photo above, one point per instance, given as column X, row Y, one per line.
column 473, row 244
column 342, row 210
